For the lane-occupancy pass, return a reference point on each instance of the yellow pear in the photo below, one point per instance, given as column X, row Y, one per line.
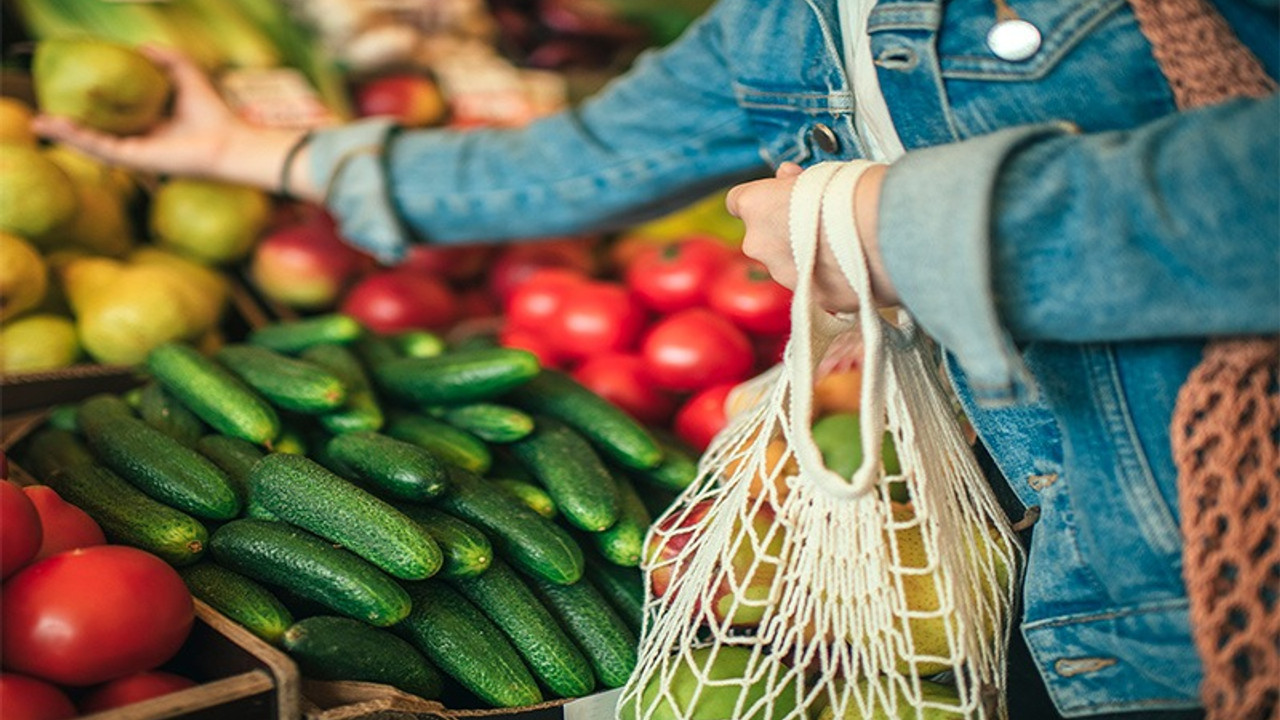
column 132, row 313
column 930, row 692
column 85, row 168
column 15, row 122
column 201, row 307
column 37, row 342
column 99, row 84
column 102, row 225
column 212, row 222
column 36, row 196
column 929, row 634
column 24, row 278
column 85, row 277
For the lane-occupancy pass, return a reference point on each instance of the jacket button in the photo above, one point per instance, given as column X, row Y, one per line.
column 825, row 138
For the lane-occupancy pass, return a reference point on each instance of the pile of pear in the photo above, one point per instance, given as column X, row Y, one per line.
column 98, row 264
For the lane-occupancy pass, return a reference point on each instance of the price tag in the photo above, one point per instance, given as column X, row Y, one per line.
column 275, row 97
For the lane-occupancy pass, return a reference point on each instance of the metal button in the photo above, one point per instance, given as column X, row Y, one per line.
column 825, row 138
column 1013, row 40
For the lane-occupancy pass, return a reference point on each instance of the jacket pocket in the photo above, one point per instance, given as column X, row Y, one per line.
column 784, row 120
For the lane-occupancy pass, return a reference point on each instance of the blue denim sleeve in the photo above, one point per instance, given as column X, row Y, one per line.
column 1170, row 230
column 667, row 132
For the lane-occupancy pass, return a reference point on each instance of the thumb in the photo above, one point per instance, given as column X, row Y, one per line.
column 788, row 170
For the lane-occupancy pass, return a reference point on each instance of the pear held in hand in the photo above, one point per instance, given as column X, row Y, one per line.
column 99, row 84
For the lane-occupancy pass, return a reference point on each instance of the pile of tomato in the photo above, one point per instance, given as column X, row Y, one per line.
column 681, row 325
column 84, row 625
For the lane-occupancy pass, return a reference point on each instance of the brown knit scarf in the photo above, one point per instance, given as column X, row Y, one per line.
column 1226, row 425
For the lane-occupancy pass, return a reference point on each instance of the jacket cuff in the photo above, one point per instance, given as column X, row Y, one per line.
column 349, row 164
column 935, row 229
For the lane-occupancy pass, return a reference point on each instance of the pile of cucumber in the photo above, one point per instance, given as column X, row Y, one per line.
column 384, row 508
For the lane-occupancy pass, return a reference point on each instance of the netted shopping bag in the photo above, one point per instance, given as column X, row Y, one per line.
column 780, row 590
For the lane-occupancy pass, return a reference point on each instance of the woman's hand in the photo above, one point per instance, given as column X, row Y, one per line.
column 764, row 207
column 202, row 137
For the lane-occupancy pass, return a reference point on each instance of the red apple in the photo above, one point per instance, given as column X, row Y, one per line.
column 305, row 265
column 413, row 100
column 392, row 300
column 457, row 263
column 737, row 591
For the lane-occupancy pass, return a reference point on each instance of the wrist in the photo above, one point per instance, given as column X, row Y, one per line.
column 256, row 157
column 866, row 212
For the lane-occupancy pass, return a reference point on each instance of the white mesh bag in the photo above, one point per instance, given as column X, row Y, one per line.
column 779, row 590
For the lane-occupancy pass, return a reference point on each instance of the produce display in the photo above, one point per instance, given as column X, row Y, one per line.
column 390, row 524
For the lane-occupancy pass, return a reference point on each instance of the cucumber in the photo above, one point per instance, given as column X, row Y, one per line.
column 235, row 457
column 63, row 417
column 239, row 598
column 530, row 542
column 445, row 441
column 214, row 394
column 572, row 473
column 535, row 497
column 163, row 412
column 623, row 542
column 288, row 383
column 456, row 377
column 622, row 587
column 339, row 648
column 126, row 514
column 292, row 337
column 610, row 429
column 467, row 551
column 388, row 466
column 361, row 411
column 155, row 462
column 606, row 640
column 300, row 491
column 677, row 470
column 547, row 650
column 490, row 422
column 419, row 343
column 374, row 350
column 309, row 566
column 467, row 646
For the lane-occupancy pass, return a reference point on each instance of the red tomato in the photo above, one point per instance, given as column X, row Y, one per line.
column 623, row 380
column 694, row 349
column 769, row 349
column 517, row 262
column 537, row 300
column 675, row 277
column 20, row 531
column 66, row 527
column 596, row 317
column 25, row 698
column 459, row 263
column 133, row 688
column 393, row 300
column 702, row 416
column 743, row 292
column 95, row 614
column 532, row 341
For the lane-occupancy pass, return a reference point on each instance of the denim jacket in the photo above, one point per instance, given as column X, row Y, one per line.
column 1064, row 234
